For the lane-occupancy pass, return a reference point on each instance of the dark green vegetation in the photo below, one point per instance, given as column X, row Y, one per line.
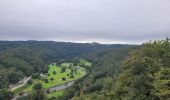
column 26, row 58
column 23, row 58
column 118, row 72
column 143, row 75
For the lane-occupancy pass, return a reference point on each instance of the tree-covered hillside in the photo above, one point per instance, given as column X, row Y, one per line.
column 119, row 72
column 143, row 75
column 23, row 58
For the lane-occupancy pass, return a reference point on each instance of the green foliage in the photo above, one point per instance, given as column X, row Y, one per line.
column 54, row 72
column 37, row 86
column 145, row 73
column 63, row 78
column 67, row 94
column 23, row 58
column 46, row 80
column 71, row 74
column 38, row 95
column 36, row 76
column 29, row 82
column 51, row 78
column 55, row 94
column 5, row 94
column 63, row 69
column 100, row 78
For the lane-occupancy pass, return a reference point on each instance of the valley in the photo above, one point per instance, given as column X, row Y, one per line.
column 36, row 70
column 58, row 78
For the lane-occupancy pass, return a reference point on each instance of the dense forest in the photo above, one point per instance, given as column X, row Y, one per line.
column 24, row 58
column 143, row 75
column 119, row 72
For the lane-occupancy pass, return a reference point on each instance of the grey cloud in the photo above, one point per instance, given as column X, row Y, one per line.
column 110, row 21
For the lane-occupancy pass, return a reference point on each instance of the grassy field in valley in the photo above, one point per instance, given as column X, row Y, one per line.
column 57, row 77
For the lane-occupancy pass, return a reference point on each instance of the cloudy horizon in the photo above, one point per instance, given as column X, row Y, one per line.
column 103, row 21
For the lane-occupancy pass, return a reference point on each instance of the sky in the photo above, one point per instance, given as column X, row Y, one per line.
column 103, row 21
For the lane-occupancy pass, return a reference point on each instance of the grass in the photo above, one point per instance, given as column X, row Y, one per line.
column 85, row 62
column 57, row 78
column 17, row 91
column 66, row 64
column 55, row 94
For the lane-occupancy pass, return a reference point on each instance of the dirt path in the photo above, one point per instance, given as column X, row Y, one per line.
column 21, row 84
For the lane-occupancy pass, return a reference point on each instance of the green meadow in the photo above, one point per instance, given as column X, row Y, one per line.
column 55, row 76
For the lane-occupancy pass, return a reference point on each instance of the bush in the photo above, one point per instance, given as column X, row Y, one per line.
column 51, row 78
column 29, row 82
column 68, row 75
column 63, row 78
column 46, row 80
column 5, row 94
column 54, row 72
column 36, row 76
column 71, row 75
column 63, row 70
column 37, row 86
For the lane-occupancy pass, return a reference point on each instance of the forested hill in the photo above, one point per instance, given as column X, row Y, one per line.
column 119, row 72
column 143, row 75
column 22, row 58
column 60, row 49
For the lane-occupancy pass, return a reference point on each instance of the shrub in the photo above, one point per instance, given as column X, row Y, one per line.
column 51, row 78
column 63, row 78
column 71, row 75
column 54, row 72
column 37, row 86
column 46, row 80
column 36, row 75
column 29, row 82
column 63, row 70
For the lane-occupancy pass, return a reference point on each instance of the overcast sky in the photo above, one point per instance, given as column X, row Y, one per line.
column 103, row 21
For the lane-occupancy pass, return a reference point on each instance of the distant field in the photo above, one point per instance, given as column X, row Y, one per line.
column 57, row 78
